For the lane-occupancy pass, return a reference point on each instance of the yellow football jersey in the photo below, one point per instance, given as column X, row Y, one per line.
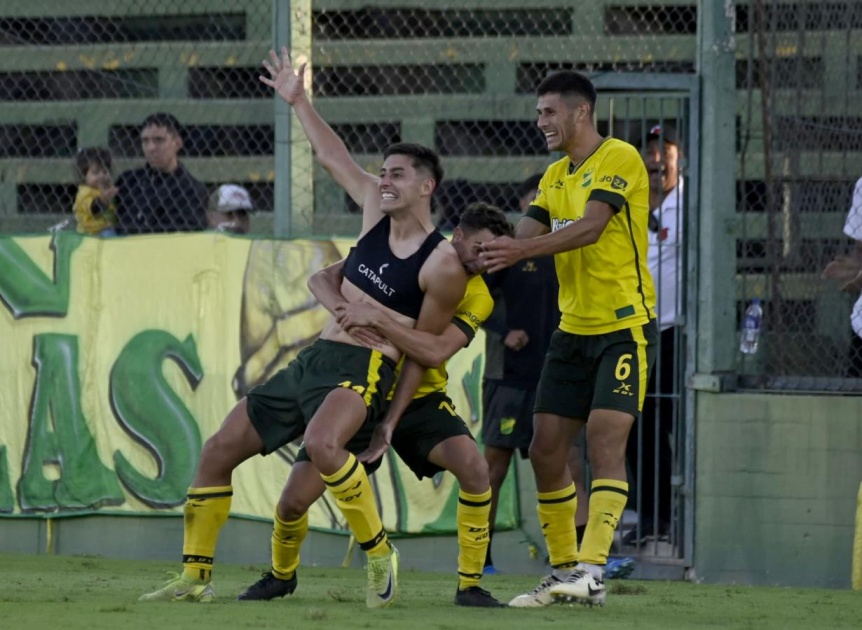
column 471, row 313
column 605, row 286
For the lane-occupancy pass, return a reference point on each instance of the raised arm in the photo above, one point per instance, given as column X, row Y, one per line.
column 329, row 149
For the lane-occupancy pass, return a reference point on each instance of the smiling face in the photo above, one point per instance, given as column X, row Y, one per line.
column 662, row 164
column 402, row 186
column 561, row 119
column 161, row 146
column 468, row 246
column 97, row 176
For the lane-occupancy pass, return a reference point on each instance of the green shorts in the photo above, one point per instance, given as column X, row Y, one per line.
column 608, row 371
column 281, row 408
column 426, row 422
column 507, row 416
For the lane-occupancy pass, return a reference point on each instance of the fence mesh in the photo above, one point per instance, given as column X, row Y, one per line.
column 458, row 77
column 82, row 74
column 800, row 143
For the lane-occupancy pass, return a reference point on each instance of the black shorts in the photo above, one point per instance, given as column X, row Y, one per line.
column 507, row 417
column 426, row 422
column 281, row 408
column 608, row 371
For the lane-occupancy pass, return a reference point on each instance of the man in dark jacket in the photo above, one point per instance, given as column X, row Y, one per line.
column 162, row 196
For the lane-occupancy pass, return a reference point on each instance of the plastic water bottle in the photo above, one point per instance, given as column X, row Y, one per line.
column 751, row 327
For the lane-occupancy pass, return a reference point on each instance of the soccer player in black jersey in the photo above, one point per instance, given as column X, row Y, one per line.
column 430, row 436
column 338, row 383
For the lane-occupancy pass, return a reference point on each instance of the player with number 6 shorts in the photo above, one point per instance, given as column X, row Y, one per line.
column 591, row 213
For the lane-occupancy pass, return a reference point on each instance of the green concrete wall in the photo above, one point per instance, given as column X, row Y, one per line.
column 775, row 491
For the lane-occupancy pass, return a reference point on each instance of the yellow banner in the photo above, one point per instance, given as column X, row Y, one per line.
column 122, row 356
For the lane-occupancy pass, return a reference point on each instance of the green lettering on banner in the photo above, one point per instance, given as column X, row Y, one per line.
column 24, row 287
column 7, row 500
column 155, row 417
column 59, row 436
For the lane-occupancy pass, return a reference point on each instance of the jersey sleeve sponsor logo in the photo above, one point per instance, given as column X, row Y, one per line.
column 470, row 318
column 557, row 224
column 617, row 182
column 376, row 280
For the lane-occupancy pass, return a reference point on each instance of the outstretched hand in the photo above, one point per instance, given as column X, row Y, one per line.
column 380, row 441
column 289, row 83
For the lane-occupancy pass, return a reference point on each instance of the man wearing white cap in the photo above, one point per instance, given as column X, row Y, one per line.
column 229, row 209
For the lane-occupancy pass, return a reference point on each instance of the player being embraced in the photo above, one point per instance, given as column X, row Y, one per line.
column 400, row 265
column 591, row 212
column 429, row 437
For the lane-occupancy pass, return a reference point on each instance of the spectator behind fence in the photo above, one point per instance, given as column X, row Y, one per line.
column 162, row 196
column 848, row 269
column 95, row 207
column 651, row 466
column 229, row 209
column 518, row 332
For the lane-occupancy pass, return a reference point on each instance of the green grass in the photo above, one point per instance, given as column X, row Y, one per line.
column 90, row 592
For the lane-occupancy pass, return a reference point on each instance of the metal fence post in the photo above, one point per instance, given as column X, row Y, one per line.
column 716, row 350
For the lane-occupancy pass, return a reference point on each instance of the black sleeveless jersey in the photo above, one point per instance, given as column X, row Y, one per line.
column 392, row 281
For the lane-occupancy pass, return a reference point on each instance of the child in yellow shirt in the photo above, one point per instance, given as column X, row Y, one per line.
column 95, row 208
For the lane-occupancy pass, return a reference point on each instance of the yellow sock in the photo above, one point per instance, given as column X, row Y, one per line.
column 287, row 537
column 472, row 515
column 206, row 510
column 557, row 517
column 608, row 499
column 355, row 498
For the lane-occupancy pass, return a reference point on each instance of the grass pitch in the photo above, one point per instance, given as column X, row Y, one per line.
column 88, row 592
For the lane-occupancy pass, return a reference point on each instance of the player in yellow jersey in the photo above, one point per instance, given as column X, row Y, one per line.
column 591, row 212
column 429, row 436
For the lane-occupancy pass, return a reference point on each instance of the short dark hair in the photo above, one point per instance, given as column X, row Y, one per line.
column 481, row 215
column 568, row 83
column 163, row 119
column 528, row 185
column 88, row 156
column 423, row 157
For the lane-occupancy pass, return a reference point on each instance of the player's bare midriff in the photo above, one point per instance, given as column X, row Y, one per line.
column 333, row 332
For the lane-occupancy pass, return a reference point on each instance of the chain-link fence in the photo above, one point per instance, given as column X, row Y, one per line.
column 458, row 77
column 461, row 78
column 78, row 74
column 800, row 144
